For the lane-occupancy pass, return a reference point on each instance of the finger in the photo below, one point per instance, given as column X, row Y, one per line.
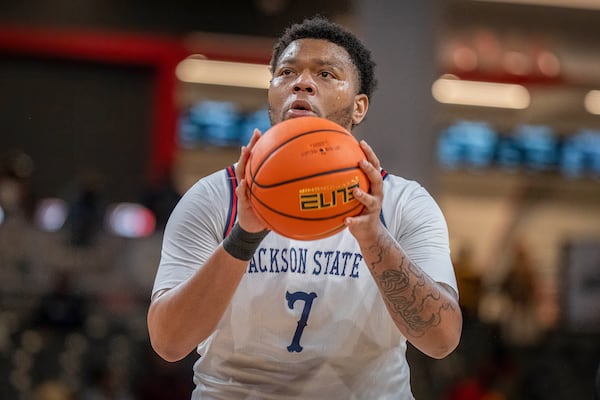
column 240, row 170
column 241, row 190
column 370, row 153
column 255, row 136
column 245, row 152
column 368, row 201
column 374, row 177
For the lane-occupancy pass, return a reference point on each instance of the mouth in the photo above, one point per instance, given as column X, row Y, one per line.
column 300, row 108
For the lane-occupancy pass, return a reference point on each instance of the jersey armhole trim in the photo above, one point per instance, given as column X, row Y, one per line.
column 384, row 175
column 232, row 212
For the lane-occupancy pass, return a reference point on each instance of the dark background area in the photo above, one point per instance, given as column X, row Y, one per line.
column 238, row 17
column 75, row 118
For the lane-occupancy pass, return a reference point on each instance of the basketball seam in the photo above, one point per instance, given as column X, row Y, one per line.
column 328, row 172
column 259, row 166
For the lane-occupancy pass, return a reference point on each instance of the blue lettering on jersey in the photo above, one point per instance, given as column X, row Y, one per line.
column 327, row 255
column 316, row 259
column 261, row 265
column 296, row 260
column 274, row 264
column 357, row 259
column 336, row 263
column 286, row 264
column 307, row 298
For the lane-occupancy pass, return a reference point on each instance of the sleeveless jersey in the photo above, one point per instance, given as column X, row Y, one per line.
column 307, row 320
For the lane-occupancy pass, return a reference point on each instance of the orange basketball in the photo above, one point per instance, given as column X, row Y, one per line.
column 301, row 175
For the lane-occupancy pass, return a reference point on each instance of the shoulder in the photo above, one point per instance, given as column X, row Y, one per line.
column 407, row 202
column 208, row 198
column 206, row 188
column 396, row 188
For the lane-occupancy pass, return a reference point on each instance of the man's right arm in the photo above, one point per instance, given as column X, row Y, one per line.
column 182, row 317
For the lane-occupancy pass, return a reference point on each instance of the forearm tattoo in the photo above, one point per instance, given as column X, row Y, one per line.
column 409, row 292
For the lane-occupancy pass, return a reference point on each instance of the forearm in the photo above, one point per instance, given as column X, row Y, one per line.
column 426, row 313
column 184, row 316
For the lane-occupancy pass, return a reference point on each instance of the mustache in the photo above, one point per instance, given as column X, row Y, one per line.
column 342, row 115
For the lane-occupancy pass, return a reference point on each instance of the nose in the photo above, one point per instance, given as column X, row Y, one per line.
column 305, row 83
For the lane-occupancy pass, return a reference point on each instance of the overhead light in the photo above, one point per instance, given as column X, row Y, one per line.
column 585, row 4
column 196, row 70
column 482, row 94
column 592, row 102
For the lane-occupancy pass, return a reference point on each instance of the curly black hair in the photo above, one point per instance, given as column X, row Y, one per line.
column 319, row 27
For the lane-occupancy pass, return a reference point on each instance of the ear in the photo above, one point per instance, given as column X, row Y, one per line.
column 361, row 105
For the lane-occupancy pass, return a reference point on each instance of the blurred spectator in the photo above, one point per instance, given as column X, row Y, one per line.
column 16, row 169
column 11, row 195
column 490, row 375
column 469, row 283
column 511, row 303
column 597, row 384
column 161, row 198
column 474, row 389
column 15, row 224
column 522, row 325
column 85, row 210
column 52, row 390
column 164, row 380
column 103, row 385
column 61, row 309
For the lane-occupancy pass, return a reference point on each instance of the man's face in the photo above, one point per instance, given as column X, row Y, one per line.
column 315, row 77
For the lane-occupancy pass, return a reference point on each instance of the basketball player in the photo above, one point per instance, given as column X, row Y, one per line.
column 275, row 318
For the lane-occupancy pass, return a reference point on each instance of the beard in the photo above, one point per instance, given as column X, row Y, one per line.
column 341, row 116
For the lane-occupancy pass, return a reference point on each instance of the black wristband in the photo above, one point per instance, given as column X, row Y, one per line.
column 241, row 244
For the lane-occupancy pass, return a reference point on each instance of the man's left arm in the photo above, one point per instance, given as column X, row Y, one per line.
column 425, row 311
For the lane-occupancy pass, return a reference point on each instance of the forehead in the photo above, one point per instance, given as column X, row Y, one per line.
column 318, row 51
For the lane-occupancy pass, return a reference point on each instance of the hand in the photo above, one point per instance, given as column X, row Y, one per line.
column 247, row 218
column 366, row 225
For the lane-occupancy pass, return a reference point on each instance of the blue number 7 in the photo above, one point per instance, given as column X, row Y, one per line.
column 302, row 322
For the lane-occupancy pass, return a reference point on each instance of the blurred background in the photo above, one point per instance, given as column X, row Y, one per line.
column 110, row 110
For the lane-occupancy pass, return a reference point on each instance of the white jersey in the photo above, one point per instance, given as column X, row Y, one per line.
column 307, row 320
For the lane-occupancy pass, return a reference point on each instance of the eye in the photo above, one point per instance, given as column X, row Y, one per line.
column 285, row 72
column 327, row 74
